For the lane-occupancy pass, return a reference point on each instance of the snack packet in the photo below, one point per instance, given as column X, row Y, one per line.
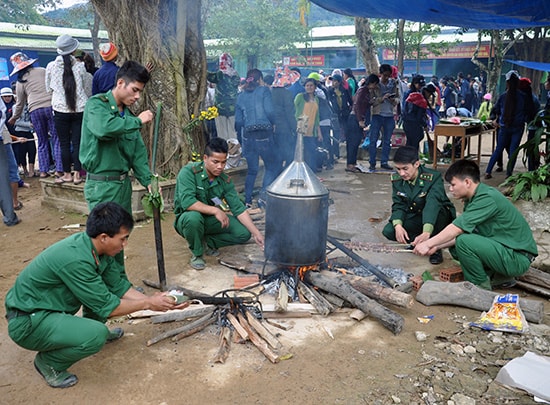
column 505, row 315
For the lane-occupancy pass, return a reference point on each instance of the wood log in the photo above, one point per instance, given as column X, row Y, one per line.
column 333, row 299
column 192, row 326
column 537, row 277
column 238, row 327
column 263, row 331
column 281, row 303
column 543, row 292
column 224, row 346
column 465, row 294
column 183, row 314
column 258, row 341
column 379, row 292
column 195, row 327
column 357, row 314
column 342, row 288
column 314, row 298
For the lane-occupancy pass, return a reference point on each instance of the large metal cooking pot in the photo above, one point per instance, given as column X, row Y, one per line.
column 296, row 219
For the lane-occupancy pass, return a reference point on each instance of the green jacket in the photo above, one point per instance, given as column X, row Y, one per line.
column 67, row 275
column 193, row 185
column 490, row 214
column 111, row 143
column 426, row 197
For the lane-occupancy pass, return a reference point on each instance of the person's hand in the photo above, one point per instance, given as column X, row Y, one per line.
column 362, row 123
column 21, row 139
column 423, row 249
column 146, row 116
column 222, row 217
column 401, row 234
column 259, row 239
column 11, row 121
column 424, row 236
column 150, row 66
column 161, row 302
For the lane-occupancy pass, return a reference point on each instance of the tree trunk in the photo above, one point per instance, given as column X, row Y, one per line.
column 535, row 48
column 401, row 45
column 366, row 44
column 168, row 35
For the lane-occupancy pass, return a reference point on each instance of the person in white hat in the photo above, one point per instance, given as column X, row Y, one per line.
column 30, row 89
column 68, row 81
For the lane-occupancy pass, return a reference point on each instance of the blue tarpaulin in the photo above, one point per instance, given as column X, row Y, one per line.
column 480, row 14
column 545, row 67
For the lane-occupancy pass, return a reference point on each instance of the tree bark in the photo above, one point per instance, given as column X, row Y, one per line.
column 340, row 287
column 366, row 44
column 465, row 294
column 378, row 292
column 167, row 34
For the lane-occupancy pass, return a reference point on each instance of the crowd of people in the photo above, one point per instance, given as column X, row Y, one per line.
column 85, row 128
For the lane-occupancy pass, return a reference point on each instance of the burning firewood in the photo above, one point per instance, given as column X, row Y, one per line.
column 317, row 300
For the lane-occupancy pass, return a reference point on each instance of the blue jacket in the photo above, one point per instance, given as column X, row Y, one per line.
column 254, row 108
column 104, row 78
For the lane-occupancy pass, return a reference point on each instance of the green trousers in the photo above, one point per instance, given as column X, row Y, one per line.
column 413, row 225
column 197, row 228
column 61, row 339
column 482, row 258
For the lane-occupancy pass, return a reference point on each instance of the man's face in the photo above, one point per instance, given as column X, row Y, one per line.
column 114, row 245
column 215, row 164
column 460, row 188
column 407, row 171
column 385, row 75
column 127, row 93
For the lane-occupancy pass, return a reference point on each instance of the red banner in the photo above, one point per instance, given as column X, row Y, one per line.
column 455, row 52
column 312, row 60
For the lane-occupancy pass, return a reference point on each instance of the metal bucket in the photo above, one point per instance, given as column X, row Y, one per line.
column 296, row 219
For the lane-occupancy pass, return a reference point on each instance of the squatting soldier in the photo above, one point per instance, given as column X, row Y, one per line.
column 209, row 213
column 491, row 239
column 420, row 206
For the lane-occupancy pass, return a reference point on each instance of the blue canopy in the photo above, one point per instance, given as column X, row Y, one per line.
column 545, row 67
column 480, row 14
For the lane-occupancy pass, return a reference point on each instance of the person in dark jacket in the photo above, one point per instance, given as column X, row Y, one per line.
column 285, row 120
column 510, row 112
column 105, row 77
column 341, row 102
column 254, row 119
column 415, row 118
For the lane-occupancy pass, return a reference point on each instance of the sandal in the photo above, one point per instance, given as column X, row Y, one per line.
column 18, row 206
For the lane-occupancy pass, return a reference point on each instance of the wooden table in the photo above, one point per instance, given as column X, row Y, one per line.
column 464, row 133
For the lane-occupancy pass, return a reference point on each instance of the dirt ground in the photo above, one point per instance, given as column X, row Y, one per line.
column 361, row 363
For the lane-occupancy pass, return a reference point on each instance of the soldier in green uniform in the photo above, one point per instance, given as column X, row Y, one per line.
column 209, row 212
column 76, row 271
column 491, row 239
column 420, row 206
column 111, row 143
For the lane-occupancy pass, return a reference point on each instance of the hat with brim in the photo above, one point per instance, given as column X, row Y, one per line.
column 20, row 61
column 6, row 91
column 66, row 44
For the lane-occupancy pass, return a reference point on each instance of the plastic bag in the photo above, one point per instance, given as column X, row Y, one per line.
column 505, row 315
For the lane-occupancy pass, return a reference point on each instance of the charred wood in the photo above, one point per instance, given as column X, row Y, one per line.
column 342, row 288
column 314, row 298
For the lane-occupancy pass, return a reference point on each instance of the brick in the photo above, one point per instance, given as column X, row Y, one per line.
column 416, row 282
column 245, row 281
column 453, row 274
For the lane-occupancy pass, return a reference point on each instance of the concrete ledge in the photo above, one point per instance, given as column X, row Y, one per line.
column 69, row 197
